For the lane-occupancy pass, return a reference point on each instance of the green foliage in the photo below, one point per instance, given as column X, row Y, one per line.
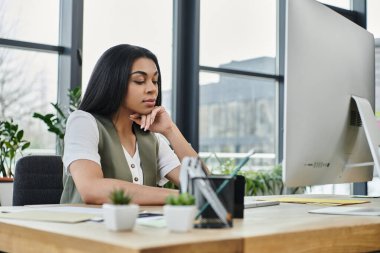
column 263, row 182
column 56, row 123
column 118, row 197
column 258, row 182
column 11, row 143
column 74, row 98
column 170, row 185
column 183, row 199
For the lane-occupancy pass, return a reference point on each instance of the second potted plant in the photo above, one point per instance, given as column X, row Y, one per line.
column 120, row 214
column 179, row 212
column 12, row 143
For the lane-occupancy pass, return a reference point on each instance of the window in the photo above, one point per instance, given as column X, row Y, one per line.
column 237, row 109
column 345, row 4
column 373, row 25
column 373, row 20
column 28, row 84
column 232, row 33
column 29, row 76
column 237, row 114
column 32, row 20
column 142, row 23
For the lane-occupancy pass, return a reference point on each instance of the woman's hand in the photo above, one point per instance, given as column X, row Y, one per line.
column 157, row 121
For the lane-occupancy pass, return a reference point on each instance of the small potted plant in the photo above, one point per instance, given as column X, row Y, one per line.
column 12, row 143
column 120, row 214
column 179, row 212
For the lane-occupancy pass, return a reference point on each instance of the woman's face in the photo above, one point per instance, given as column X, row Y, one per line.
column 142, row 87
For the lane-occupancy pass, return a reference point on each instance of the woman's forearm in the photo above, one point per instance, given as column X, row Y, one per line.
column 178, row 142
column 98, row 192
column 95, row 189
column 181, row 147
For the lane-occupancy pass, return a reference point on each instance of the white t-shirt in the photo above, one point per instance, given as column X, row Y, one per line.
column 82, row 139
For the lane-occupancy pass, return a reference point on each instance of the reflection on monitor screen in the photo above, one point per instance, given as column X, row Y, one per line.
column 328, row 59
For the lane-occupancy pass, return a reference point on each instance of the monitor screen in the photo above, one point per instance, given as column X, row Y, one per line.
column 328, row 59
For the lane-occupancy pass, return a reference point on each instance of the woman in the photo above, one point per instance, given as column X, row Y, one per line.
column 113, row 140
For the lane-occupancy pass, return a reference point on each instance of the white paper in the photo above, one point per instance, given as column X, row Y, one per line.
column 155, row 221
column 96, row 213
column 71, row 209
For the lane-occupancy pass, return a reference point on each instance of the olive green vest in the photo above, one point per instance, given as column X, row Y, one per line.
column 113, row 161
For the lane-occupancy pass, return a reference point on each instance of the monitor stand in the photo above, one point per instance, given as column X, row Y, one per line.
column 371, row 129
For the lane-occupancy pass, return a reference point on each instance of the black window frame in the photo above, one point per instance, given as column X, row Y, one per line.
column 186, row 68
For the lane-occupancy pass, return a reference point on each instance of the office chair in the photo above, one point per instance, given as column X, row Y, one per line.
column 38, row 180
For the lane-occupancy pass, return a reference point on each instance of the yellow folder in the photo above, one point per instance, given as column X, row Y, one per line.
column 317, row 201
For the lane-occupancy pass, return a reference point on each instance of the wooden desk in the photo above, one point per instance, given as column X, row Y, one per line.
column 283, row 228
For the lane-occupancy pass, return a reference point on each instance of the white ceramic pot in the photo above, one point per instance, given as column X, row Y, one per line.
column 120, row 217
column 179, row 218
column 6, row 193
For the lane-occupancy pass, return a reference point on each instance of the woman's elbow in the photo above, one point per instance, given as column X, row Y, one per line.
column 91, row 199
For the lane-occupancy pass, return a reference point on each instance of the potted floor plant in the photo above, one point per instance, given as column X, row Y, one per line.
column 179, row 212
column 56, row 123
column 120, row 214
column 11, row 145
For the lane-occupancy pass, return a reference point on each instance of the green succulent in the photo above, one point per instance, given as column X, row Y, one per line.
column 118, row 197
column 183, row 199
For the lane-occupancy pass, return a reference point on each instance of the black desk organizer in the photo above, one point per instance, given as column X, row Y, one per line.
column 232, row 198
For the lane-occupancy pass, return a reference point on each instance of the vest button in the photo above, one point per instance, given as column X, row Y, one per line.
column 136, row 179
column 132, row 165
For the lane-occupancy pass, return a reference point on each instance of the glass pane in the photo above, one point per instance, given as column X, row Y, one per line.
column 28, row 84
column 32, row 20
column 345, row 4
column 374, row 187
column 338, row 189
column 232, row 33
column 373, row 25
column 237, row 114
column 144, row 23
column 373, row 19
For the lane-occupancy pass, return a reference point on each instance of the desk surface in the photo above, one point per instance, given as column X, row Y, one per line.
column 282, row 228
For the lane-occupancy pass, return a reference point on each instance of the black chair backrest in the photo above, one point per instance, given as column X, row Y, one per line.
column 38, row 180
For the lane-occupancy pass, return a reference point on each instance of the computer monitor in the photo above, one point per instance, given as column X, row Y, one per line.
column 328, row 60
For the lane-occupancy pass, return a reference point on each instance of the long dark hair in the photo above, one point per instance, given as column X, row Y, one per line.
column 108, row 83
